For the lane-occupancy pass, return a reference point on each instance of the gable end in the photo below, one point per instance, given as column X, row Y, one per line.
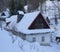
column 39, row 23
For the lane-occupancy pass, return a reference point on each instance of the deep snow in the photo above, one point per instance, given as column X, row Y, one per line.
column 12, row 43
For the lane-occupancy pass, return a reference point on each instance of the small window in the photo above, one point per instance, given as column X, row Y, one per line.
column 34, row 39
column 43, row 39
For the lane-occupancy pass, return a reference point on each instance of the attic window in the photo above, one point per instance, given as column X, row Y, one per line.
column 39, row 23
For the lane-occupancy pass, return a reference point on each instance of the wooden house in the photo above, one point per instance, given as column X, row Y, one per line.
column 35, row 28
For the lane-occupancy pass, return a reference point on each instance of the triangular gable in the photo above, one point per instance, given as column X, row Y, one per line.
column 3, row 14
column 29, row 20
column 39, row 23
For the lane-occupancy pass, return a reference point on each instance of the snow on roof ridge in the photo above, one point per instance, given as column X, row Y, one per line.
column 20, row 12
column 26, row 19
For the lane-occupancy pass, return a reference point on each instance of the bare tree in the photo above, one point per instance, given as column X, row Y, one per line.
column 32, row 5
column 57, row 6
column 41, row 4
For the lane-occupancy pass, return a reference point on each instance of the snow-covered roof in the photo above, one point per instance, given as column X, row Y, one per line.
column 12, row 19
column 26, row 21
column 20, row 12
column 6, row 14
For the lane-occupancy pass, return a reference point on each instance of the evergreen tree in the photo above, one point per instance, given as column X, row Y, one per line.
column 32, row 5
column 41, row 3
column 16, row 5
column 19, row 5
column 12, row 7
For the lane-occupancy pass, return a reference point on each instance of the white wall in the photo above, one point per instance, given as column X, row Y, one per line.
column 39, row 38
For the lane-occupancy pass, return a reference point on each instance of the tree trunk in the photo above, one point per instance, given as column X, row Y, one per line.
column 41, row 10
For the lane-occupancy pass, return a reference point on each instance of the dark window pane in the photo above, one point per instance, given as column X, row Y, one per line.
column 34, row 39
column 43, row 38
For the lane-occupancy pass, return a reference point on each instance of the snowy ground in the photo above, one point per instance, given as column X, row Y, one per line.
column 7, row 44
column 11, row 43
